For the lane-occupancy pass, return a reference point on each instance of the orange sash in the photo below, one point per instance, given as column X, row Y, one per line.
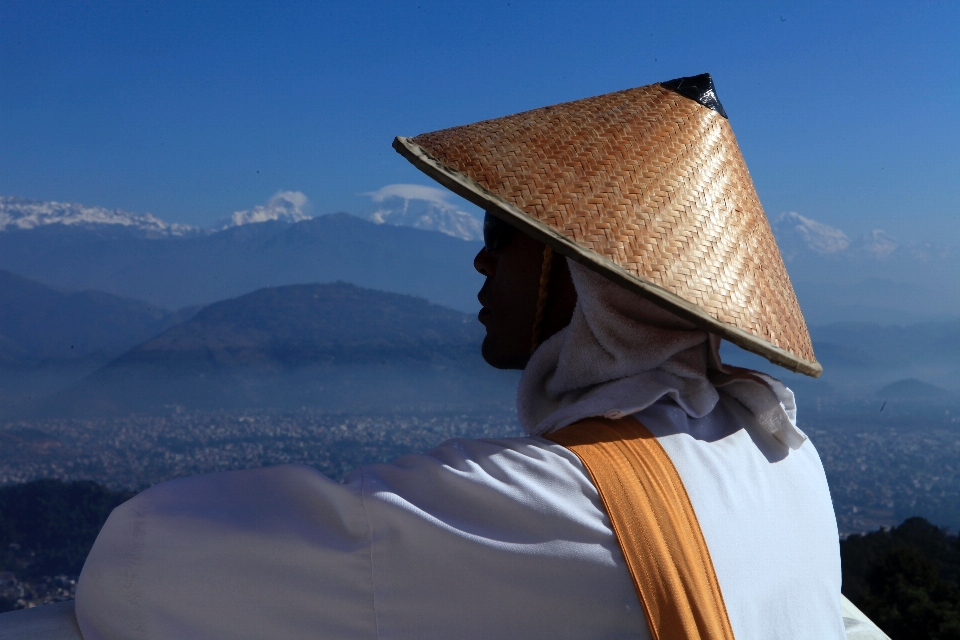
column 654, row 521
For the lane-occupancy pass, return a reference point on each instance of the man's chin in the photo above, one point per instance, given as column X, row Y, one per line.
column 497, row 359
column 489, row 353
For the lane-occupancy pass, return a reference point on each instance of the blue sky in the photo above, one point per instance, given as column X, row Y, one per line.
column 848, row 113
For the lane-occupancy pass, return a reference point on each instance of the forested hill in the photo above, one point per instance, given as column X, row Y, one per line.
column 321, row 345
column 299, row 324
column 46, row 530
column 906, row 579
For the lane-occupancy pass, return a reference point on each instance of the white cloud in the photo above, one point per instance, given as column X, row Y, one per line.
column 296, row 198
column 283, row 205
column 409, row 192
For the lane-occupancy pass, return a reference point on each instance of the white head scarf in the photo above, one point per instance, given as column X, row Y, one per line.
column 621, row 353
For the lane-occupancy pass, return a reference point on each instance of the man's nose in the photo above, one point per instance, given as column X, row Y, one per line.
column 485, row 263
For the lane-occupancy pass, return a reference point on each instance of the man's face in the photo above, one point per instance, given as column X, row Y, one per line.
column 509, row 298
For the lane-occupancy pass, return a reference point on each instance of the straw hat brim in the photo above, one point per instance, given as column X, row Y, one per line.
column 470, row 190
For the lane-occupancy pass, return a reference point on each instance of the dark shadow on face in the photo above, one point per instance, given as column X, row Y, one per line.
column 509, row 298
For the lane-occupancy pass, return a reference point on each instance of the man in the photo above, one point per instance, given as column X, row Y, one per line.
column 623, row 239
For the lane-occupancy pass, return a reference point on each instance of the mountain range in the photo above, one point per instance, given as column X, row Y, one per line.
column 23, row 214
column 414, row 241
column 198, row 269
column 871, row 278
column 40, row 323
column 50, row 337
column 340, row 345
column 331, row 345
column 863, row 361
column 405, row 205
column 879, row 310
column 799, row 237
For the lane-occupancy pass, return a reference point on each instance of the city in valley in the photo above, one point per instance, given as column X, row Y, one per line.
column 879, row 472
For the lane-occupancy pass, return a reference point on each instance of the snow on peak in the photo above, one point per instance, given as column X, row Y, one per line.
column 421, row 207
column 876, row 244
column 21, row 213
column 796, row 233
column 798, row 236
column 285, row 206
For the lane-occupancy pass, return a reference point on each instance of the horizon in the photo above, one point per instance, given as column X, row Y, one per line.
column 844, row 114
column 838, row 277
column 293, row 206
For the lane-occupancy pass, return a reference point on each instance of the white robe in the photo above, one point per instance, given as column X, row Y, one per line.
column 492, row 538
column 477, row 539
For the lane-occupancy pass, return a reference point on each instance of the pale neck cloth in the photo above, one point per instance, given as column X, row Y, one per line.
column 621, row 353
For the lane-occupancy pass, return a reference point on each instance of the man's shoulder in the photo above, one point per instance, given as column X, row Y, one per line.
column 530, row 461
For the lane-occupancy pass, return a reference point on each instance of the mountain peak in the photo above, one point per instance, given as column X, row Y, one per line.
column 283, row 206
column 797, row 234
column 421, row 207
column 876, row 244
column 297, row 323
column 911, row 389
column 22, row 213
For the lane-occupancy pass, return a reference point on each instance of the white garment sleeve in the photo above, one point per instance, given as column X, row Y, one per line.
column 477, row 539
column 265, row 553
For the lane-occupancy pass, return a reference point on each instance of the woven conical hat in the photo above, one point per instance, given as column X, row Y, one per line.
column 646, row 186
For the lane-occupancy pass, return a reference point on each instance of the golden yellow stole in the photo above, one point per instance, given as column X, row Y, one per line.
column 656, row 526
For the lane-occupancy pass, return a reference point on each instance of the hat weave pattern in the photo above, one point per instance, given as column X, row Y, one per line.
column 655, row 183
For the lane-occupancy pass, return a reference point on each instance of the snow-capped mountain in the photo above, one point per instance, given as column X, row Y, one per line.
column 800, row 237
column 21, row 213
column 875, row 244
column 872, row 277
column 285, row 206
column 797, row 234
column 413, row 205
